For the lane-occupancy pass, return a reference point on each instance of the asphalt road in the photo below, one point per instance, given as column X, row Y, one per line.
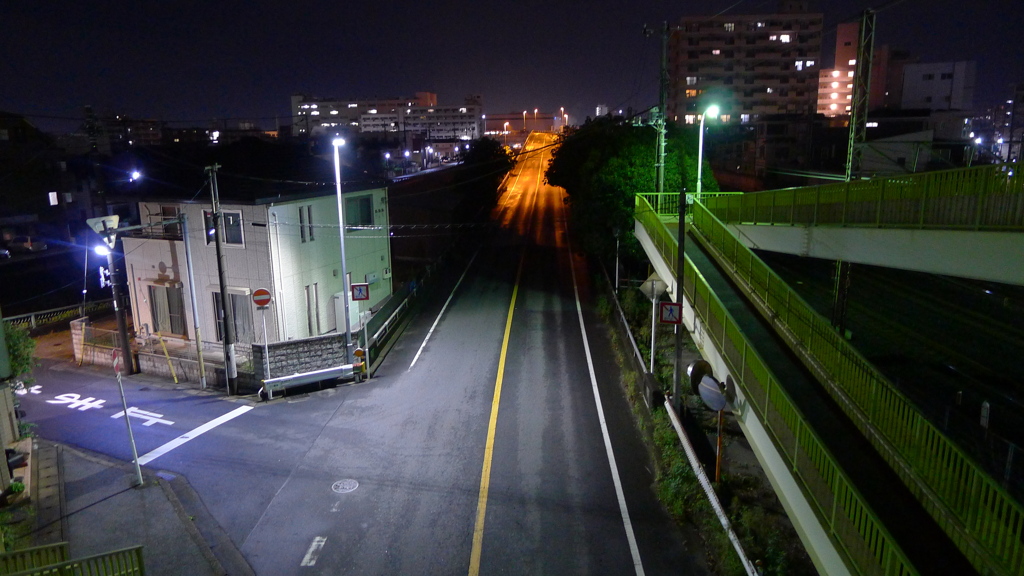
column 493, row 439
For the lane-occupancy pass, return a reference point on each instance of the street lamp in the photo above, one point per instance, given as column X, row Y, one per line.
column 535, row 115
column 711, row 111
column 524, row 120
column 504, row 130
column 565, row 121
column 338, row 143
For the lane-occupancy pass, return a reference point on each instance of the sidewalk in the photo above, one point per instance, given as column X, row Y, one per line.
column 91, row 501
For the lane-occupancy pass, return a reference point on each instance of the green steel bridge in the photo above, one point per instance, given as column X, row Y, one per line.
column 872, row 484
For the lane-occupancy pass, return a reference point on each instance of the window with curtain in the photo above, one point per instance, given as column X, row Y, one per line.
column 168, row 309
column 242, row 312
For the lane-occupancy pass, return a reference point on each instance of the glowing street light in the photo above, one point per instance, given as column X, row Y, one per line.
column 135, row 175
column 504, row 130
column 524, row 120
column 712, row 111
column 535, row 115
column 338, row 143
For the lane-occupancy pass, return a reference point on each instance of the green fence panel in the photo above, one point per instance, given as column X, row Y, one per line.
column 971, row 506
column 29, row 558
column 979, row 198
column 866, row 543
column 127, row 562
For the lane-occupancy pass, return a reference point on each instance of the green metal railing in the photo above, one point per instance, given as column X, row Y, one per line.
column 980, row 198
column 127, row 562
column 981, row 517
column 29, row 558
column 860, row 536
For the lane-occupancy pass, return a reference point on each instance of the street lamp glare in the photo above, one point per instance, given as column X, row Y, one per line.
column 338, row 142
column 136, row 175
column 101, row 250
column 712, row 110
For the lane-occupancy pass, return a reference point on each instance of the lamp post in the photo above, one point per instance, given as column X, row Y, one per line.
column 504, row 130
column 712, row 111
column 338, row 143
column 405, row 163
column 565, row 121
column 535, row 115
column 524, row 120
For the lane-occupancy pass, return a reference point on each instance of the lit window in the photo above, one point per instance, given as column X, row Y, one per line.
column 372, row 110
column 716, row 51
column 835, row 84
column 334, row 111
column 691, row 118
column 770, row 90
column 353, row 105
column 852, row 62
column 773, row 37
column 834, row 96
column 462, row 110
column 784, row 38
column 304, row 106
column 847, row 108
column 799, row 64
column 835, row 73
column 810, row 63
column 53, row 198
column 691, row 80
column 849, row 96
column 832, row 107
column 729, row 26
column 760, row 24
column 314, row 113
column 849, row 74
column 871, row 125
column 849, row 85
column 744, row 118
column 313, row 106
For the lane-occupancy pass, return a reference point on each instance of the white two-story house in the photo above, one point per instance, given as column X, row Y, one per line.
column 288, row 245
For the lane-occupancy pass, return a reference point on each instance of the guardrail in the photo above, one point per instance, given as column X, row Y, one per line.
column 979, row 198
column 127, row 562
column 863, row 539
column 54, row 315
column 981, row 518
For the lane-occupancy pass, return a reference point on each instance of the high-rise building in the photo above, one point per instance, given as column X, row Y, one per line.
column 938, row 86
column 749, row 65
column 313, row 115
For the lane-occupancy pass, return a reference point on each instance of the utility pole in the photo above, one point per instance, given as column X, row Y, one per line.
column 659, row 161
column 192, row 298
column 226, row 314
column 861, row 95
column 116, row 278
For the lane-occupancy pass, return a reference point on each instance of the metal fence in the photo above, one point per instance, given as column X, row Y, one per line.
column 127, row 562
column 29, row 558
column 867, row 545
column 978, row 198
column 56, row 315
column 971, row 506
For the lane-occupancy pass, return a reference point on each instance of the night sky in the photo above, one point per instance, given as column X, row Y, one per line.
column 191, row 61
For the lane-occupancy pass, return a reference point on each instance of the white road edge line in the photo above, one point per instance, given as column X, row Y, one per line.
column 627, row 524
column 443, row 308
column 192, row 434
column 314, row 551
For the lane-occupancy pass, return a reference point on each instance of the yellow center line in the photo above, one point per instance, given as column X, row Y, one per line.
column 485, row 475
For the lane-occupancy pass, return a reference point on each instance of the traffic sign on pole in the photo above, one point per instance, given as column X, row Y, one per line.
column 360, row 291
column 261, row 297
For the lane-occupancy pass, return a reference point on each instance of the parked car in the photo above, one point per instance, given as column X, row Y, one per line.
column 26, row 244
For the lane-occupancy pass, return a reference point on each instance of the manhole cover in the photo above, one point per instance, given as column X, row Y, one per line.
column 343, row 486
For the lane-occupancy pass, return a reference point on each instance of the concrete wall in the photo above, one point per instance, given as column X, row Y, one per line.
column 299, row 356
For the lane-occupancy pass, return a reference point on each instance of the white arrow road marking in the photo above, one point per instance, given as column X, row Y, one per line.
column 192, row 434
column 314, row 551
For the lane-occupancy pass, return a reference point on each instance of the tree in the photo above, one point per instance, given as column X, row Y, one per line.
column 20, row 349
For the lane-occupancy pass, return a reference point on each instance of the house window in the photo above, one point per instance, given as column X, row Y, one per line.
column 242, row 316
column 231, row 226
column 167, row 309
column 928, row 77
column 691, row 80
column 946, row 76
column 169, row 213
column 359, row 211
column 730, row 26
column 302, row 223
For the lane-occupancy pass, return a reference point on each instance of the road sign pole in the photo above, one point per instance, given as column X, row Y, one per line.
column 266, row 346
column 128, row 421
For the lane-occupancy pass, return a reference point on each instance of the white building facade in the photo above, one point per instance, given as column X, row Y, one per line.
column 938, row 86
column 292, row 248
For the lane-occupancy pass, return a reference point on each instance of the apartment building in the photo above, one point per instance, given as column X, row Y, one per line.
column 749, row 65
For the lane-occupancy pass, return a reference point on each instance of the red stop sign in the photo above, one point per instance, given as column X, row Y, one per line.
column 261, row 297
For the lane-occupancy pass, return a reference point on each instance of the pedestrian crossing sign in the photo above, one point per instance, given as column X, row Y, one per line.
column 671, row 313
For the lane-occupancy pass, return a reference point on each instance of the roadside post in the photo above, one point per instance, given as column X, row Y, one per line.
column 118, row 361
column 262, row 298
